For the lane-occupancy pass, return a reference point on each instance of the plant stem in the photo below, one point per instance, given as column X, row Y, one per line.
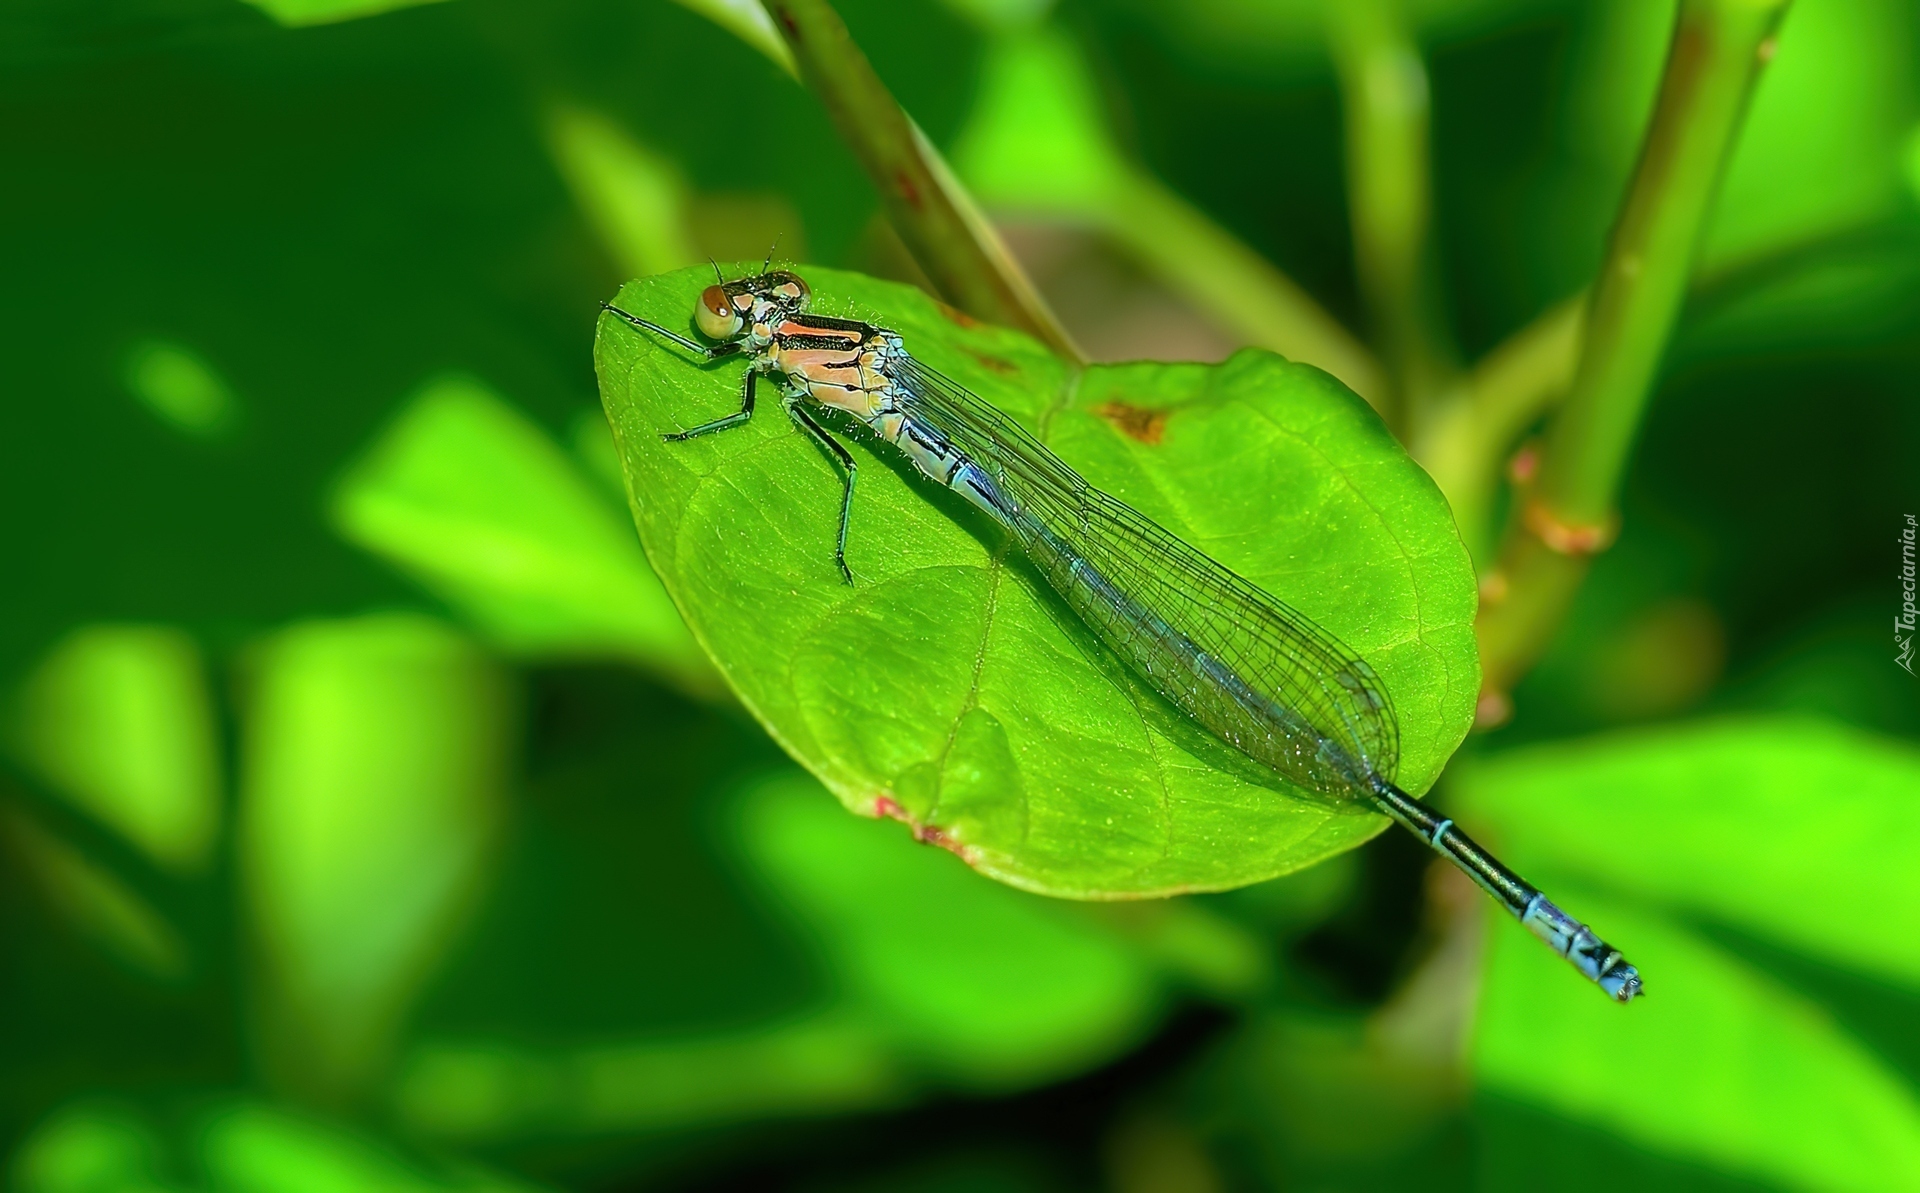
column 1383, row 87
column 936, row 218
column 1467, row 438
column 1231, row 283
column 1566, row 513
column 1039, row 143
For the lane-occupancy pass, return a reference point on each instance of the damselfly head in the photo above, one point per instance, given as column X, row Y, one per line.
column 724, row 310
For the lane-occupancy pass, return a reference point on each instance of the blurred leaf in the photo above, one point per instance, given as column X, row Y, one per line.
column 326, row 12
column 1297, row 902
column 1797, row 830
column 1717, row 1064
column 1314, row 1099
column 932, row 978
column 1038, row 139
column 1821, row 148
column 831, row 1063
column 950, row 686
column 1191, row 941
column 181, row 388
column 376, row 756
column 90, row 1148
column 1661, row 659
column 97, row 902
column 239, row 1147
column 983, row 985
column 253, row 1148
column 1001, row 15
column 635, row 198
column 467, row 495
column 749, row 22
column 118, row 719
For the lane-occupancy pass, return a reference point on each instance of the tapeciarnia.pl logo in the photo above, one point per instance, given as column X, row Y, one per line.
column 1903, row 622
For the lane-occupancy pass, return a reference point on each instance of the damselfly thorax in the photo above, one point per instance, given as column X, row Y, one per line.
column 1255, row 672
column 841, row 364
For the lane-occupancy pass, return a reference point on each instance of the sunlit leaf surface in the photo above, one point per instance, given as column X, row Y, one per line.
column 118, row 719
column 949, row 686
column 1720, row 1063
column 1754, row 869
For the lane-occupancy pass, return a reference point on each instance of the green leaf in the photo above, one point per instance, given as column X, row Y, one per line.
column 635, row 198
column 376, row 754
column 931, row 980
column 1717, row 1064
column 982, row 985
column 254, row 1147
column 1794, row 829
column 467, row 494
column 834, row 1062
column 236, row 1146
column 326, row 12
column 83, row 1148
column 949, row 686
column 118, row 719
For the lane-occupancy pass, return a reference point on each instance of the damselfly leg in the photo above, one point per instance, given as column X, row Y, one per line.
column 839, row 452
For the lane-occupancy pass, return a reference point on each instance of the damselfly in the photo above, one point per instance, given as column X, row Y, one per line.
column 1255, row 672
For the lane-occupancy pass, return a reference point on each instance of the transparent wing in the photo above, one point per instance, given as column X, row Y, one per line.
column 1257, row 672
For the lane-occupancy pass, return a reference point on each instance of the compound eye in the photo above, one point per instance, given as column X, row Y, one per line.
column 715, row 316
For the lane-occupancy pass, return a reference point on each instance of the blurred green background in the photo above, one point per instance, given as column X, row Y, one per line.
column 369, row 821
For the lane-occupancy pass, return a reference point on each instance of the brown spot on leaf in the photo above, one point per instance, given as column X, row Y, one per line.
column 926, row 834
column 903, row 182
column 1136, row 422
column 993, row 363
column 956, row 316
